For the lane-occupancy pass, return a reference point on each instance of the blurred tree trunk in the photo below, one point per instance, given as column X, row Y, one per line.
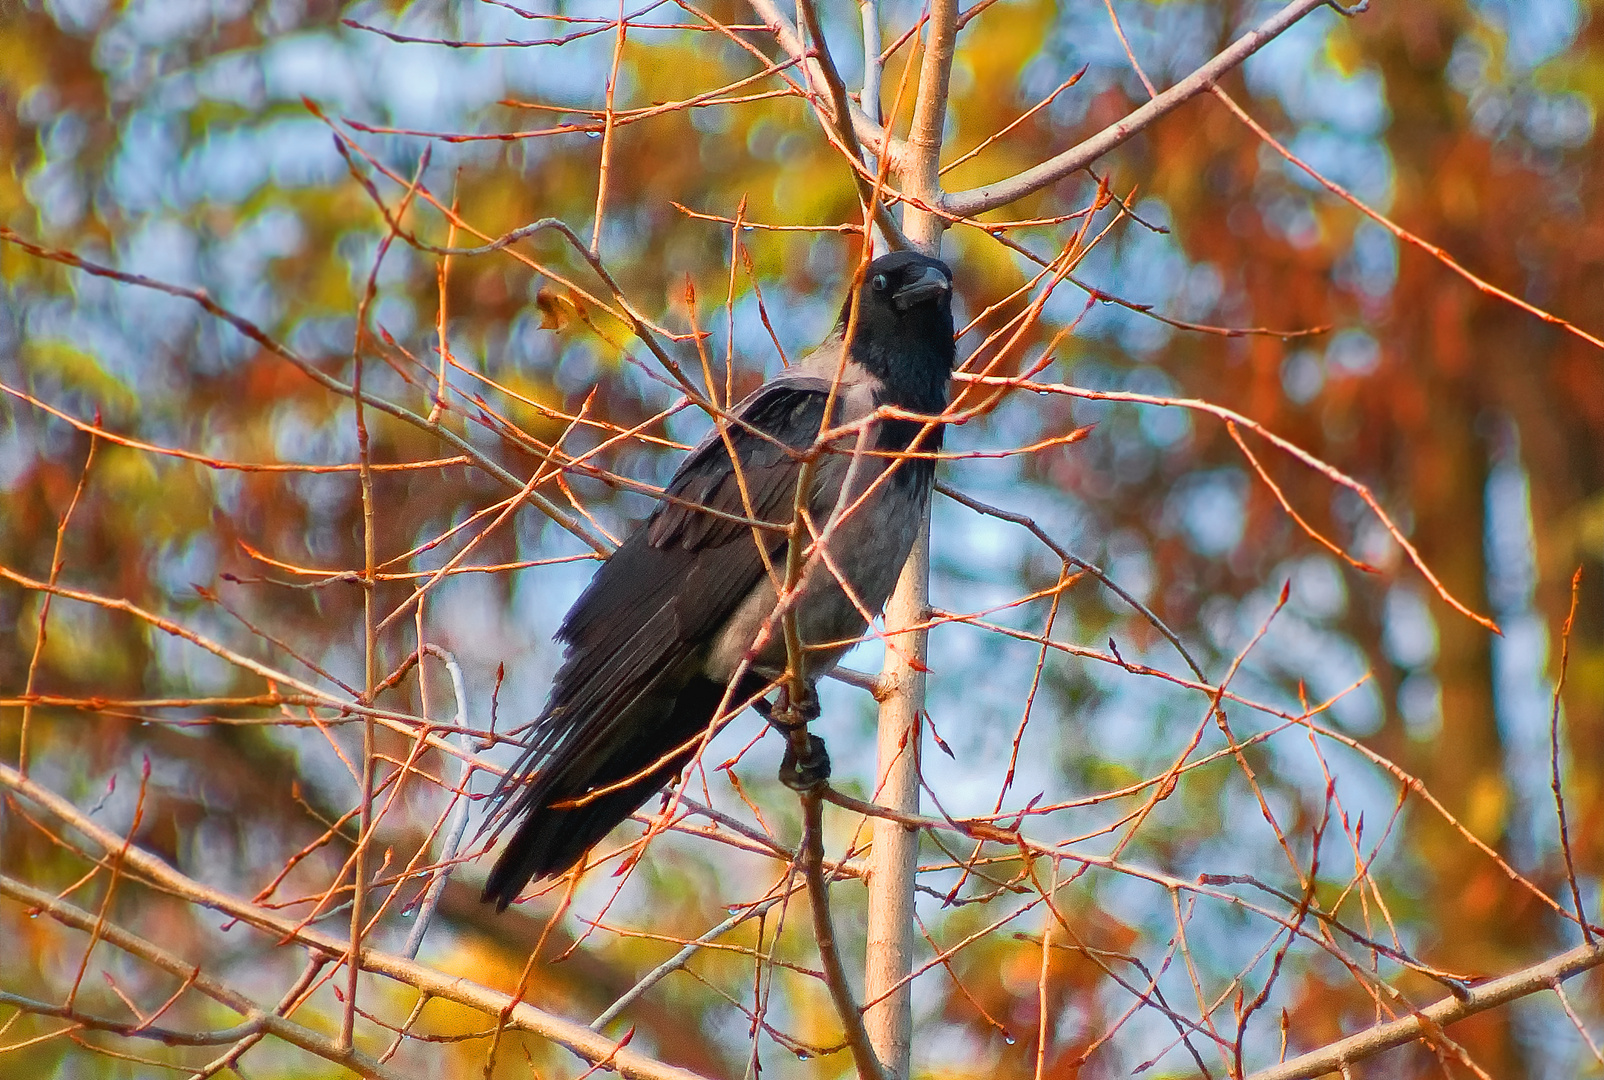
column 1467, row 364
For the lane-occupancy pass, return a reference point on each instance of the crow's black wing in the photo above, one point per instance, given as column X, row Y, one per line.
column 635, row 636
column 703, row 564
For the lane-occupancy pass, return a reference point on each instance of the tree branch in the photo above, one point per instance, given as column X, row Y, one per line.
column 683, row 957
column 869, row 97
column 256, row 1019
column 867, row 190
column 519, row 1014
column 1069, row 558
column 1426, row 1022
column 893, row 858
column 255, row 333
column 868, row 131
column 835, row 975
column 990, row 196
column 461, row 803
column 920, row 171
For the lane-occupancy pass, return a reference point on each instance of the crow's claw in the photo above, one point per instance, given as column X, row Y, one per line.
column 786, row 716
column 806, row 773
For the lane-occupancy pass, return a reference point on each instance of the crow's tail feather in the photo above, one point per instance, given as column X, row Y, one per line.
column 551, row 839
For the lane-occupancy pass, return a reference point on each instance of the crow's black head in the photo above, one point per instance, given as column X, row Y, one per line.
column 903, row 335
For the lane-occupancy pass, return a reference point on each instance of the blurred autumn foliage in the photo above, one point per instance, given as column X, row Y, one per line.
column 1371, row 823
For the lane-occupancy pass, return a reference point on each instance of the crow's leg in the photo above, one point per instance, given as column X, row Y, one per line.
column 807, row 763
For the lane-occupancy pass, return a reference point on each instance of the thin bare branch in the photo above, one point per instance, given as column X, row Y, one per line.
column 1427, row 1023
column 978, row 200
column 576, row 1037
column 864, row 1056
column 790, row 41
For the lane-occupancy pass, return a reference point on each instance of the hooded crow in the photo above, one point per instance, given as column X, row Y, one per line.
column 660, row 646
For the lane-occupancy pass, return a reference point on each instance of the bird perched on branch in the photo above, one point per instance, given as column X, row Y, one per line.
column 678, row 631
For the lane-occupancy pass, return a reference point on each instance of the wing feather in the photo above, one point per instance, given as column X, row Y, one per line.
column 636, row 635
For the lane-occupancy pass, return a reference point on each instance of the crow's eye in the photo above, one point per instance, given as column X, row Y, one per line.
column 879, row 283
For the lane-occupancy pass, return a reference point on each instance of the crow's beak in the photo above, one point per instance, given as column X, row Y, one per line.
column 927, row 285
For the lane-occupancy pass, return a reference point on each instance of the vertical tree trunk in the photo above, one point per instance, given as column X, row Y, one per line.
column 894, row 857
column 889, row 949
